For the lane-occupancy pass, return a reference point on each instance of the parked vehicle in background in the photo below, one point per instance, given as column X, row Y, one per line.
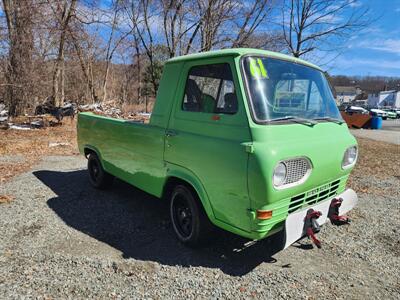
column 379, row 113
column 247, row 140
column 356, row 110
column 390, row 113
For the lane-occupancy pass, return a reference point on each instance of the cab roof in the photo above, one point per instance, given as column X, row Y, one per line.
column 240, row 52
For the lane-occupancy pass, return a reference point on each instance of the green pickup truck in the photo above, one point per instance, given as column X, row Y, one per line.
column 247, row 140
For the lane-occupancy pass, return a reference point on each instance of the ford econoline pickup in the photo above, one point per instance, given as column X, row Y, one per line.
column 247, row 140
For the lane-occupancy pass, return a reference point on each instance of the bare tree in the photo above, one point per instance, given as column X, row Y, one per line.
column 141, row 14
column 137, row 62
column 113, row 43
column 181, row 25
column 19, row 16
column 309, row 25
column 172, row 20
column 214, row 14
column 81, row 43
column 84, row 51
column 253, row 15
column 63, row 10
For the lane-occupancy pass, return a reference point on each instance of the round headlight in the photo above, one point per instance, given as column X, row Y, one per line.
column 280, row 172
column 350, row 157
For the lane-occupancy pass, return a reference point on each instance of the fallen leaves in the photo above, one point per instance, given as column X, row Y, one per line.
column 6, row 199
column 34, row 144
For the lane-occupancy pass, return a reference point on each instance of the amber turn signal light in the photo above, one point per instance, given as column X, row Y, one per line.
column 264, row 214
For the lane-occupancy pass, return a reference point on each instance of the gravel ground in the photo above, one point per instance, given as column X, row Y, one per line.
column 60, row 238
column 388, row 136
column 391, row 124
column 390, row 132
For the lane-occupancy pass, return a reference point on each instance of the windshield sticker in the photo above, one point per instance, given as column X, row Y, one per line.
column 257, row 69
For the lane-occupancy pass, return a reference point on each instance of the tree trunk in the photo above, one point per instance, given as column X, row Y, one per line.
column 66, row 15
column 19, row 71
column 85, row 69
column 139, row 71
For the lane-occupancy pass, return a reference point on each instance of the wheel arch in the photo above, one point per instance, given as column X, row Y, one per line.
column 178, row 175
column 87, row 149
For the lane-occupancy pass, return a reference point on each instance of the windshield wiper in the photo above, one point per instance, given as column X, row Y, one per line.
column 303, row 121
column 334, row 120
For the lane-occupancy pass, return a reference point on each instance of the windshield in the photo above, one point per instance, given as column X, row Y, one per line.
column 282, row 90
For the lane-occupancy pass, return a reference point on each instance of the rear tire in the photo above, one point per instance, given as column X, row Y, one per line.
column 189, row 220
column 99, row 178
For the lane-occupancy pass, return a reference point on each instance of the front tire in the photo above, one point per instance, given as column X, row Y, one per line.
column 99, row 178
column 189, row 220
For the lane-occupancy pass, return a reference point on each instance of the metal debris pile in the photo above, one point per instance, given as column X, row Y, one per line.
column 111, row 109
column 3, row 113
column 28, row 122
column 48, row 115
column 106, row 108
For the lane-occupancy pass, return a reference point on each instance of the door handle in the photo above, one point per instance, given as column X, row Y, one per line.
column 170, row 133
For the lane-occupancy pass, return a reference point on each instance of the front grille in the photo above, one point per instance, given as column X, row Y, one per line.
column 314, row 196
column 296, row 169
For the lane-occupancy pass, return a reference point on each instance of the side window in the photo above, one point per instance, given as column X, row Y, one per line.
column 210, row 89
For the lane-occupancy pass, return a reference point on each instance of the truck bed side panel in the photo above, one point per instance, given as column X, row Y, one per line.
column 129, row 150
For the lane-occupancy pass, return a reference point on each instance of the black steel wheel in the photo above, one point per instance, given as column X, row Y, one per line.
column 99, row 178
column 190, row 222
column 182, row 215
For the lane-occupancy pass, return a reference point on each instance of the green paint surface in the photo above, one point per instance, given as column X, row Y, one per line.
column 228, row 160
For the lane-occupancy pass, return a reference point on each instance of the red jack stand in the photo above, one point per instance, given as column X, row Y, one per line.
column 333, row 214
column 311, row 226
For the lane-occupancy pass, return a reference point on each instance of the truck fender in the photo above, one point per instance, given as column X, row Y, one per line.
column 90, row 148
column 189, row 177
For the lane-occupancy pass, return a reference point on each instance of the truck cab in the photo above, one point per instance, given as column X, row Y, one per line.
column 247, row 140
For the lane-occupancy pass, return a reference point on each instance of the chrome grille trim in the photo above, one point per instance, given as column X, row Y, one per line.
column 314, row 196
column 298, row 170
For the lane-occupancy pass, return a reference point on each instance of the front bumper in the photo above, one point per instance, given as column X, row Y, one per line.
column 294, row 223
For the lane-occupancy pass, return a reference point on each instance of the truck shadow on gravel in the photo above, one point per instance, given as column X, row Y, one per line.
column 137, row 224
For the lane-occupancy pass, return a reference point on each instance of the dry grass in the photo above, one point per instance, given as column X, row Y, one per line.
column 378, row 161
column 32, row 145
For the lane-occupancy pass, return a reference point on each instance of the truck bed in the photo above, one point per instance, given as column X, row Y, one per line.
column 128, row 149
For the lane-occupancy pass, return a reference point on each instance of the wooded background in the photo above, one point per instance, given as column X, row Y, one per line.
column 89, row 51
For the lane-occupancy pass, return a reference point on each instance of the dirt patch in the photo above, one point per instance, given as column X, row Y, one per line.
column 32, row 145
column 377, row 160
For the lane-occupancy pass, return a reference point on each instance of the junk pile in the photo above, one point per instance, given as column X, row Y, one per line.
column 110, row 109
column 44, row 117
column 47, row 114
column 67, row 110
column 3, row 116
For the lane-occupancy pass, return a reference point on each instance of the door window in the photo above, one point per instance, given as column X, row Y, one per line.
column 210, row 89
